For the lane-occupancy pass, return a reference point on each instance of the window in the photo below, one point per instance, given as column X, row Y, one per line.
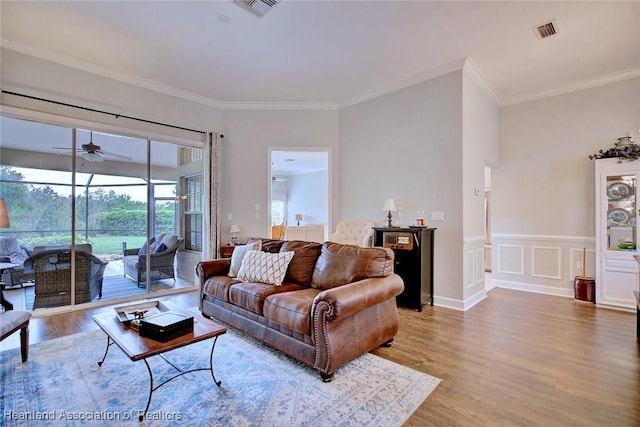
column 278, row 208
column 193, row 213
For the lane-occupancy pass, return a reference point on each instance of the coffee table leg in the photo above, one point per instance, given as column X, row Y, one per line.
column 213, row 346
column 152, row 389
column 109, row 342
column 141, row 417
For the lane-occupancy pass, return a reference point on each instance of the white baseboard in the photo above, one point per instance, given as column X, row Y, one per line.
column 529, row 287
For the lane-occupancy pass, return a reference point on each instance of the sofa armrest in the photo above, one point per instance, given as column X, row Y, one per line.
column 214, row 267
column 351, row 298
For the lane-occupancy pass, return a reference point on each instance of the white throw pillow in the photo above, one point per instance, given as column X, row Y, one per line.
column 169, row 240
column 238, row 254
column 265, row 267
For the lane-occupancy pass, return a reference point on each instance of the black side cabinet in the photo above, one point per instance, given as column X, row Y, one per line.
column 413, row 249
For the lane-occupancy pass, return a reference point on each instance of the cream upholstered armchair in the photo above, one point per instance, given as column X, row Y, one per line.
column 354, row 232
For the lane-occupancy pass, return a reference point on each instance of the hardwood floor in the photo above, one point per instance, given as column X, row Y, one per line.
column 515, row 359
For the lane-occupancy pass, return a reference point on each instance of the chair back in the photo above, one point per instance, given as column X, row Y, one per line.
column 277, row 231
column 354, row 232
column 52, row 277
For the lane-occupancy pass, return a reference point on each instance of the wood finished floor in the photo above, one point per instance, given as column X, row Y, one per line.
column 515, row 359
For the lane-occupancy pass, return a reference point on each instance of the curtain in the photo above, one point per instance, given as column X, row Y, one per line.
column 213, row 190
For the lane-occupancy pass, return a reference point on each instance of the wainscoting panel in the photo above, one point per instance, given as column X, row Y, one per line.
column 474, row 273
column 539, row 263
column 546, row 262
column 479, row 266
column 510, row 259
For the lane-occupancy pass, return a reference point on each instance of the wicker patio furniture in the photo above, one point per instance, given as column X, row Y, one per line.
column 52, row 277
column 161, row 263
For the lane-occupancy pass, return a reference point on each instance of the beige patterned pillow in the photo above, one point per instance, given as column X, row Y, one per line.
column 264, row 267
column 238, row 255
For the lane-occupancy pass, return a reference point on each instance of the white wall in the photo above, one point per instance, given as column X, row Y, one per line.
column 248, row 133
column 37, row 77
column 543, row 210
column 480, row 147
column 307, row 195
column 245, row 175
column 408, row 145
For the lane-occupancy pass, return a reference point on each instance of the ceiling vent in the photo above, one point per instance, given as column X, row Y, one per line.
column 257, row 7
column 545, row 30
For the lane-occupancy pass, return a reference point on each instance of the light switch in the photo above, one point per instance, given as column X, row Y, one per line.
column 437, row 216
column 229, row 216
column 257, row 216
column 257, row 207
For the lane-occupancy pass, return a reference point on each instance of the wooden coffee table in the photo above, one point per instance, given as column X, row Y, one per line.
column 140, row 348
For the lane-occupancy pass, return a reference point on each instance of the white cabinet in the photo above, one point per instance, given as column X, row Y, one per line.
column 309, row 233
column 616, row 232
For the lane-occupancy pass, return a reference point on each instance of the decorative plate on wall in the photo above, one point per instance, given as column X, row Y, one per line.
column 619, row 190
column 618, row 216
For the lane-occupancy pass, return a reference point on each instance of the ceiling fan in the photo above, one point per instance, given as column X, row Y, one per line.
column 92, row 152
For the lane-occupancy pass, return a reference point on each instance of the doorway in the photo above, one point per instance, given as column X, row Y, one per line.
column 300, row 188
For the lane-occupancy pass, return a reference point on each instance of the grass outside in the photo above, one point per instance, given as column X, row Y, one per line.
column 113, row 244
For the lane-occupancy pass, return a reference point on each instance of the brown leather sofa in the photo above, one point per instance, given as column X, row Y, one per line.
column 336, row 302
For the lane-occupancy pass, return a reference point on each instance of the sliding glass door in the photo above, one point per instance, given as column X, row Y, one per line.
column 108, row 209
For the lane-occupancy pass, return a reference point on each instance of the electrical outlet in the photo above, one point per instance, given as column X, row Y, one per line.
column 257, row 216
column 437, row 216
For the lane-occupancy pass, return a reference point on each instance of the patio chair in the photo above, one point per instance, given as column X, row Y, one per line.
column 52, row 277
column 161, row 262
column 12, row 321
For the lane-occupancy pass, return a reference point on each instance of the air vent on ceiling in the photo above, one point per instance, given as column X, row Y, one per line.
column 257, row 7
column 546, row 30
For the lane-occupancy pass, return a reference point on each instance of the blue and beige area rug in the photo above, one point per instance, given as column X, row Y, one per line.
column 61, row 384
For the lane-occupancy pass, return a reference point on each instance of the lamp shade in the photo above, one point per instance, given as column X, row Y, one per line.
column 389, row 205
column 4, row 215
column 234, row 229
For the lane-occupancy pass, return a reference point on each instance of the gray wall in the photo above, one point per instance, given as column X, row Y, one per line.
column 544, row 188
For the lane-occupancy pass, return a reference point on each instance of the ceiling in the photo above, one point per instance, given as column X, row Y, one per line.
column 330, row 54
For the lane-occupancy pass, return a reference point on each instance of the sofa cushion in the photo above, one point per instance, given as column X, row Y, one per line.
column 291, row 309
column 264, row 267
column 303, row 263
column 268, row 245
column 251, row 295
column 218, row 286
column 238, row 255
column 340, row 264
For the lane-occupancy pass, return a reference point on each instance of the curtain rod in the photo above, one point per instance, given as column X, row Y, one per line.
column 117, row 116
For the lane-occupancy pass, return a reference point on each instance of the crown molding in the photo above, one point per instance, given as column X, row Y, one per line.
column 574, row 87
column 159, row 87
column 471, row 69
column 279, row 105
column 438, row 71
column 466, row 64
column 109, row 73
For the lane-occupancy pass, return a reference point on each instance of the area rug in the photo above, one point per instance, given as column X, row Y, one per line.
column 61, row 384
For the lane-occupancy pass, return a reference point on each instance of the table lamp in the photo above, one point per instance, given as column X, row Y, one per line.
column 234, row 234
column 298, row 218
column 389, row 205
column 4, row 215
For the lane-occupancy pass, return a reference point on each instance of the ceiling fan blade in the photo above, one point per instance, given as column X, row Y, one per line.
column 66, row 148
column 119, row 156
